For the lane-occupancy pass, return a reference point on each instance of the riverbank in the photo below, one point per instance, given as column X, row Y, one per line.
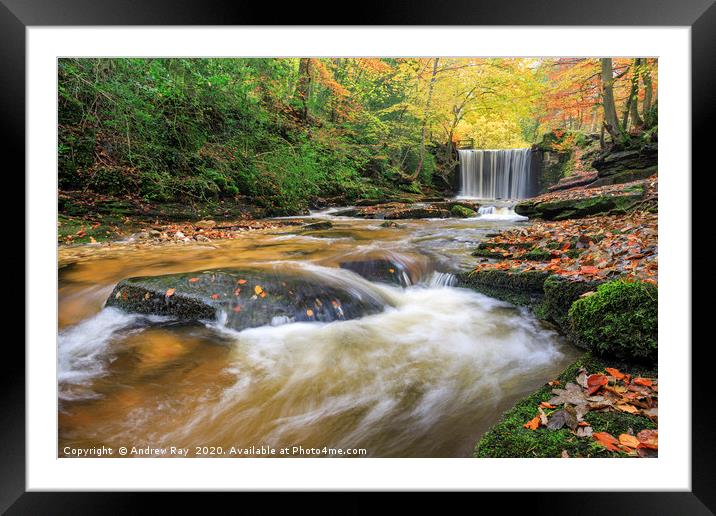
column 583, row 275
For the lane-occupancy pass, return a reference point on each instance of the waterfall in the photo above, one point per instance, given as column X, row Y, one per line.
column 497, row 174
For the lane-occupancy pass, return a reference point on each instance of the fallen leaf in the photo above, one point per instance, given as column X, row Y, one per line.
column 237, row 308
column 628, row 440
column 215, row 296
column 565, row 454
column 533, row 423
column 630, row 409
column 585, row 431
column 607, row 440
column 544, row 404
column 258, row 290
column 170, row 292
column 193, row 280
column 309, row 312
column 648, row 439
column 596, row 382
column 643, row 381
column 615, row 373
column 241, row 281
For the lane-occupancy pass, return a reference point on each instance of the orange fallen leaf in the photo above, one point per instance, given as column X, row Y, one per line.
column 215, row 296
column 533, row 423
column 607, row 440
column 596, row 382
column 237, row 308
column 237, row 291
column 241, row 281
column 583, row 423
column 588, row 269
column 258, row 290
column 263, row 294
column 645, row 382
column 193, row 280
column 616, row 373
column 630, row 409
column 648, row 439
column 170, row 292
column 544, row 404
column 628, row 440
column 309, row 312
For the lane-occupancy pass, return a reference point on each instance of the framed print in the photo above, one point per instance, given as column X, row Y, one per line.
column 367, row 257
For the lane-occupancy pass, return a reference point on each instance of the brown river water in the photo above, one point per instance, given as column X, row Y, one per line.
column 424, row 378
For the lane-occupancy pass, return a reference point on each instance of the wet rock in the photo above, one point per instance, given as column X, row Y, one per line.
column 246, row 298
column 462, row 212
column 318, row 226
column 391, row 224
column 155, row 233
column 449, row 205
column 383, row 270
column 205, row 224
column 417, row 213
column 179, row 235
column 202, row 238
column 348, row 212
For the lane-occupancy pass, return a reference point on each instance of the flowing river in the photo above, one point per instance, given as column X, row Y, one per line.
column 424, row 378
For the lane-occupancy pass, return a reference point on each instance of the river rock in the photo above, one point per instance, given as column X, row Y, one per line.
column 381, row 269
column 246, row 298
column 317, row 226
column 417, row 213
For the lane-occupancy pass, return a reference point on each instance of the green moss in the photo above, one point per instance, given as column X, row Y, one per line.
column 462, row 211
column 620, row 319
column 537, row 254
column 510, row 439
column 559, row 294
column 519, row 288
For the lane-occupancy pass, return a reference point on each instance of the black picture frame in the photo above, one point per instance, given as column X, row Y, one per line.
column 700, row 15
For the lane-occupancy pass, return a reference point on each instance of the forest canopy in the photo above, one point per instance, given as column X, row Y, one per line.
column 284, row 132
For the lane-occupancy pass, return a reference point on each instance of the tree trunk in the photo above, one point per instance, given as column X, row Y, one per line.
column 424, row 127
column 611, row 122
column 637, row 122
column 648, row 89
column 303, row 89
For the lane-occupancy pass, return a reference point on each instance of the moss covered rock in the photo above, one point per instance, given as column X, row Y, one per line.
column 245, row 298
column 519, row 288
column 462, row 212
column 580, row 207
column 559, row 294
column 619, row 320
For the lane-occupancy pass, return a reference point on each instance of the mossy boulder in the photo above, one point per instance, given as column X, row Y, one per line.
column 580, row 207
column 462, row 211
column 417, row 213
column 620, row 320
column 625, row 176
column 509, row 438
column 519, row 288
column 559, row 294
column 246, row 298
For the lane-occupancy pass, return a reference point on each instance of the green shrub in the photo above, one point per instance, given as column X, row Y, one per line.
column 620, row 320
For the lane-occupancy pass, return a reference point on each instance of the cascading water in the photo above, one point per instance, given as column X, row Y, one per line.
column 497, row 174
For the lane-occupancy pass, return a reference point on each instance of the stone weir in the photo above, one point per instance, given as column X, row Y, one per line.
column 247, row 298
